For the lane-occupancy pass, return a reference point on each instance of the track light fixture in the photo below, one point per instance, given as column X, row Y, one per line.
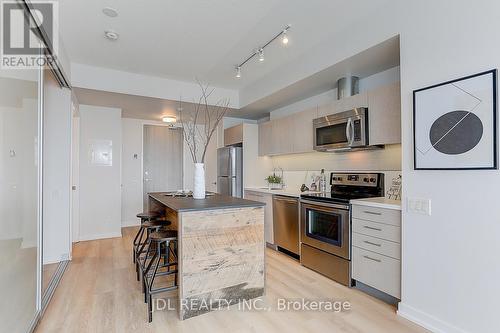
column 260, row 51
column 284, row 38
column 261, row 54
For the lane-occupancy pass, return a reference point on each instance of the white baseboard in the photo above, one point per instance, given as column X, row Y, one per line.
column 427, row 321
column 131, row 223
column 27, row 244
column 100, row 236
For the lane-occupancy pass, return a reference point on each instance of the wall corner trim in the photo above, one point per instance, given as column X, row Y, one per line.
column 426, row 320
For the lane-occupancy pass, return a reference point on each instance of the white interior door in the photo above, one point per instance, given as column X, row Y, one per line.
column 75, row 177
column 162, row 160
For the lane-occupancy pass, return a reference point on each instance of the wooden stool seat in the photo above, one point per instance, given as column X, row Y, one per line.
column 148, row 215
column 156, row 224
column 163, row 235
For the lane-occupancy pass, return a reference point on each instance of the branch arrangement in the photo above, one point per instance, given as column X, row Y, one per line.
column 199, row 126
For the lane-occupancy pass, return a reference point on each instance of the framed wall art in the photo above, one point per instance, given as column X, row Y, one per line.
column 455, row 124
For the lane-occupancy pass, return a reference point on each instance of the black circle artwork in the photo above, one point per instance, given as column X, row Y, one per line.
column 456, row 132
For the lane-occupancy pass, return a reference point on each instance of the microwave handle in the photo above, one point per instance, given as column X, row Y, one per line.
column 349, row 131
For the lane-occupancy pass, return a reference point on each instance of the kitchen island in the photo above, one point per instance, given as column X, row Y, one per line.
column 220, row 252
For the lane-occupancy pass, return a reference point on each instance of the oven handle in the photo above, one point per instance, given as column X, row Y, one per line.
column 324, row 204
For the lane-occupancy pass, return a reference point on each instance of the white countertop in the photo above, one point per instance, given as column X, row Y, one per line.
column 286, row 191
column 379, row 202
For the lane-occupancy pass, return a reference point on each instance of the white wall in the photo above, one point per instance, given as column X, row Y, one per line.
column 450, row 259
column 91, row 77
column 56, row 171
column 75, row 171
column 255, row 168
column 131, row 171
column 100, row 186
column 387, row 159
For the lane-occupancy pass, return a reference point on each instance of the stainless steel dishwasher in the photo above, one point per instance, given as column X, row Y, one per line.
column 286, row 223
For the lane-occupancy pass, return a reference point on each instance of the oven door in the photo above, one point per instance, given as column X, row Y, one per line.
column 326, row 227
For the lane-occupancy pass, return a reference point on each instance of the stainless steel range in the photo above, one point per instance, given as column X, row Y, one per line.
column 325, row 223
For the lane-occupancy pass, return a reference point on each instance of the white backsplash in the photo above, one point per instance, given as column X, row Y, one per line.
column 294, row 179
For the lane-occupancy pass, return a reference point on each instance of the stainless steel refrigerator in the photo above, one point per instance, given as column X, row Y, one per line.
column 230, row 171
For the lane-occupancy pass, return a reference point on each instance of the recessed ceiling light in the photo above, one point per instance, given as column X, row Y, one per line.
column 111, row 12
column 111, row 35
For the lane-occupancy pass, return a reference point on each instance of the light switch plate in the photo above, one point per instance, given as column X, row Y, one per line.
column 419, row 206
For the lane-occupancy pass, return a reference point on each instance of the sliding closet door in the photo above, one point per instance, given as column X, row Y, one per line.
column 19, row 200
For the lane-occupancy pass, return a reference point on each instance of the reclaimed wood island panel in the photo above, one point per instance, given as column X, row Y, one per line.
column 221, row 250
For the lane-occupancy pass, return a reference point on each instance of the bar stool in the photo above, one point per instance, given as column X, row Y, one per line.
column 145, row 217
column 164, row 245
column 147, row 227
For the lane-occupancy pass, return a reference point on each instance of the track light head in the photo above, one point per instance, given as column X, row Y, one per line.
column 261, row 54
column 238, row 72
column 284, row 38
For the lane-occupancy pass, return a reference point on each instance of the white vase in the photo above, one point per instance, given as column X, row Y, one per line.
column 199, row 181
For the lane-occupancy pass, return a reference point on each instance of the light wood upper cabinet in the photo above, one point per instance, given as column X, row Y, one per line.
column 265, row 130
column 233, row 135
column 326, row 110
column 294, row 133
column 345, row 104
column 352, row 102
column 282, row 135
column 384, row 115
column 301, row 131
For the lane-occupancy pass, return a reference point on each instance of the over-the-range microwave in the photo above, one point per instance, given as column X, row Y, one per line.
column 341, row 131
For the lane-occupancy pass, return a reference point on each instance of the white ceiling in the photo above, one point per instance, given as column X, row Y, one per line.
column 201, row 38
column 138, row 107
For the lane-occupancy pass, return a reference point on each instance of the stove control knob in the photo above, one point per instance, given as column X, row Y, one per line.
column 372, row 180
column 365, row 180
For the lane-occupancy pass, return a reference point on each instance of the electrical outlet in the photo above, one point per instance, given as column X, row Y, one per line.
column 419, row 206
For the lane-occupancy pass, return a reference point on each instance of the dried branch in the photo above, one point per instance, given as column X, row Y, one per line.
column 194, row 135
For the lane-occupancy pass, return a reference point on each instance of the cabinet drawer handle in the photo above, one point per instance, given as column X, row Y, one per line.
column 372, row 228
column 373, row 213
column 374, row 244
column 370, row 258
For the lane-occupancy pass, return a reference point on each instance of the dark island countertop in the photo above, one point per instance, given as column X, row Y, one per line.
column 217, row 201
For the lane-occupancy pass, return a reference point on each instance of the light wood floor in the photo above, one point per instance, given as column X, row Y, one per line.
column 99, row 293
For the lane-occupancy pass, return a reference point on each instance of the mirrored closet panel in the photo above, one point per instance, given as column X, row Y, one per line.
column 19, row 183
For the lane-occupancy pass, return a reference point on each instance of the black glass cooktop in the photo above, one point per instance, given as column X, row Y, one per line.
column 337, row 197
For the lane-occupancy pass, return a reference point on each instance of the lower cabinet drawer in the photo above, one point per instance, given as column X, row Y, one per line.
column 377, row 271
column 379, row 230
column 382, row 215
column 377, row 245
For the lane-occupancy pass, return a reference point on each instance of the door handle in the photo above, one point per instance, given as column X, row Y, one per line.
column 370, row 258
column 374, row 244
column 372, row 228
column 373, row 213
